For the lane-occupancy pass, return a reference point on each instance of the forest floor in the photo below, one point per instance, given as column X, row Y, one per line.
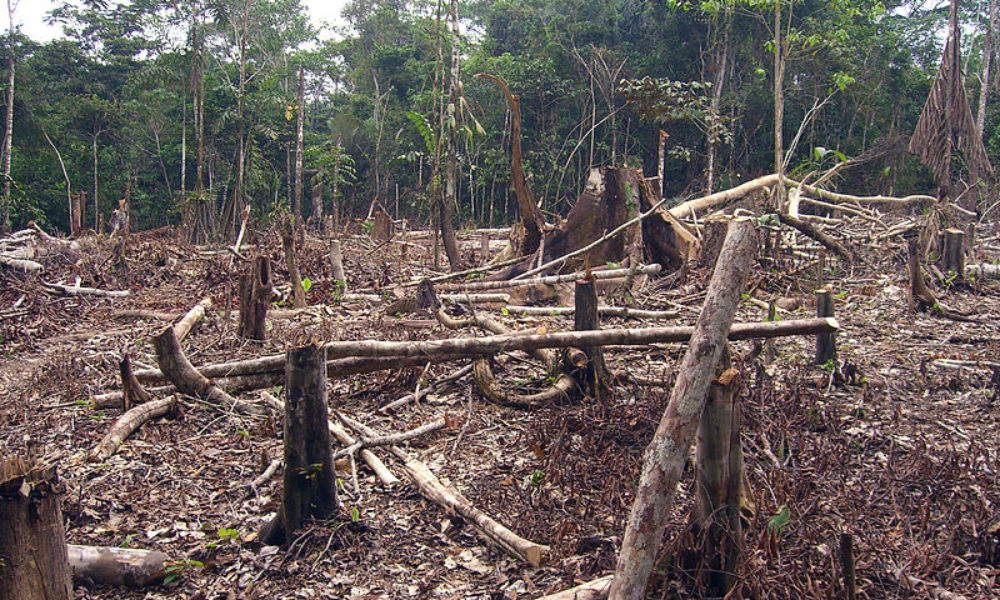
column 904, row 453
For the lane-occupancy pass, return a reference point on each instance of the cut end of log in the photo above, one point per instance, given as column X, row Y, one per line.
column 536, row 554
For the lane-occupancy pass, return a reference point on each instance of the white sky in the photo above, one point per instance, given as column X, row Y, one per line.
column 30, row 14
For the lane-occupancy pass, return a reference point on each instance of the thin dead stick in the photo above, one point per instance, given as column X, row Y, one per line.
column 454, row 502
column 393, row 439
column 594, row 244
column 73, row 290
column 438, row 385
column 592, row 590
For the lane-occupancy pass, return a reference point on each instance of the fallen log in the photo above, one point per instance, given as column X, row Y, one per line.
column 592, row 590
column 189, row 381
column 128, row 423
column 624, row 312
column 117, row 566
column 75, row 290
column 811, row 232
column 568, row 277
column 241, row 383
column 455, row 503
column 183, row 327
column 606, row 337
column 666, row 454
column 986, row 271
column 21, row 264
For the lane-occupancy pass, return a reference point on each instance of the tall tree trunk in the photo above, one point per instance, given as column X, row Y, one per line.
column 238, row 192
column 984, row 85
column 717, row 83
column 451, row 165
column 299, row 130
column 8, row 139
column 779, row 108
column 184, row 116
column 62, row 165
column 336, row 184
column 93, row 149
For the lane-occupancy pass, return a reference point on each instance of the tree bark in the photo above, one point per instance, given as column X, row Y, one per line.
column 310, row 488
column 299, row 145
column 826, row 344
column 8, row 139
column 666, row 453
column 291, row 262
column 117, row 566
column 586, row 318
column 256, row 287
column 128, row 423
column 33, row 560
column 984, row 76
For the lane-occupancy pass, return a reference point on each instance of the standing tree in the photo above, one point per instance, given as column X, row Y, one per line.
column 8, row 138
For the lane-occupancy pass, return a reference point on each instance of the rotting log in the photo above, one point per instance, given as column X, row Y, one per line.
column 75, row 290
column 117, row 567
column 188, row 380
column 129, row 422
column 455, row 503
column 310, row 488
column 591, row 590
column 666, row 454
column 33, row 561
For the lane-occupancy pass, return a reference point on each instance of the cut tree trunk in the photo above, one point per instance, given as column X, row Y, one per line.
column 954, row 252
column 720, row 494
column 826, row 344
column 310, row 488
column 256, row 287
column 117, row 566
column 337, row 266
column 129, row 422
column 664, row 459
column 586, row 318
column 33, row 560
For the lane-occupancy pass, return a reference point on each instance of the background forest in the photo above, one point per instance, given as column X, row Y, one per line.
column 191, row 108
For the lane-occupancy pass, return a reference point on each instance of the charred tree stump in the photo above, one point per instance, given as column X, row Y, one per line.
column 720, row 491
column 826, row 343
column 666, row 454
column 288, row 235
column 713, row 236
column 33, row 559
column 847, row 565
column 310, row 483
column 953, row 257
column 586, row 317
column 256, row 287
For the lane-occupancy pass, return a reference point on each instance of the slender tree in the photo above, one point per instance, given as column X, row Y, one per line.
column 8, row 139
column 299, row 144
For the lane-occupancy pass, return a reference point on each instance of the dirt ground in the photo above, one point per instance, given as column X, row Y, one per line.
column 902, row 451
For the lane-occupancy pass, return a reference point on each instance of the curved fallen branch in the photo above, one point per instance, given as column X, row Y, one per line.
column 183, row 327
column 189, row 381
column 568, row 277
column 128, row 423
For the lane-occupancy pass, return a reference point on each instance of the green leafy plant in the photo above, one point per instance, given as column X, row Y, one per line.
column 776, row 523
column 176, row 568
column 537, row 476
column 367, row 226
column 306, row 284
column 355, row 514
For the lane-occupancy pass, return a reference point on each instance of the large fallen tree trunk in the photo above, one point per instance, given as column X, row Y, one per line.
column 606, row 337
column 568, row 277
column 117, row 566
column 664, row 459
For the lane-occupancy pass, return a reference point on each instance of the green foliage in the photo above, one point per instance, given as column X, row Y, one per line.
column 175, row 569
column 777, row 523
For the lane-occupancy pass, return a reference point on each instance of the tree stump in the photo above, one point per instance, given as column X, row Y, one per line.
column 585, row 318
column 33, row 557
column 826, row 343
column 382, row 232
column 953, row 257
column 309, row 481
column 256, row 287
column 720, row 491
